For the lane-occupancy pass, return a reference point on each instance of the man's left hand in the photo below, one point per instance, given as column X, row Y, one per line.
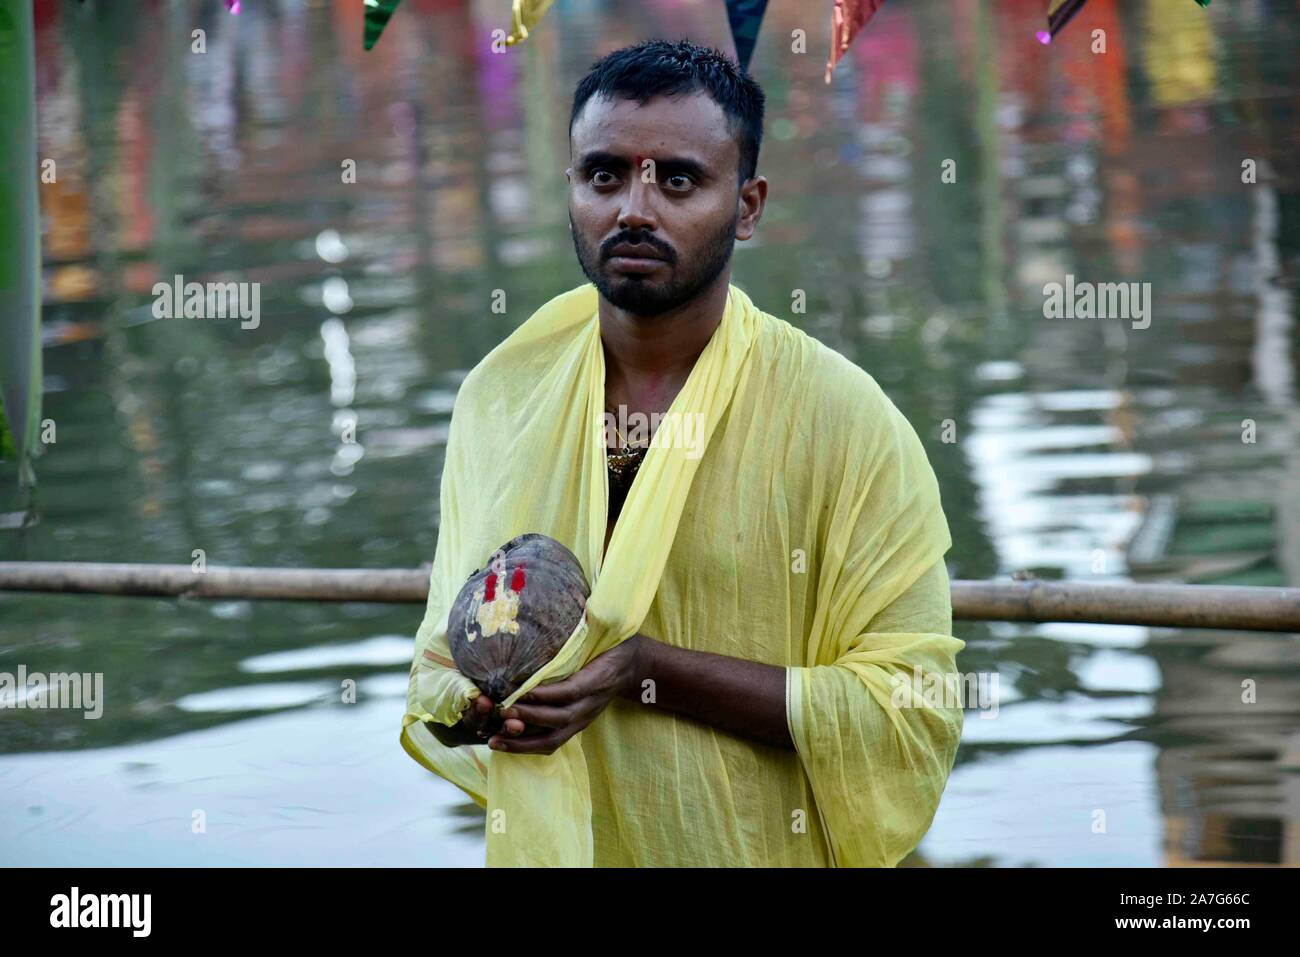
column 553, row 713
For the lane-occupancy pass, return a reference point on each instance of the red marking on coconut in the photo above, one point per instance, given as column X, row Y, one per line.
column 490, row 588
column 517, row 580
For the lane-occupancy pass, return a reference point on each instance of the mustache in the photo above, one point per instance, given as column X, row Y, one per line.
column 641, row 239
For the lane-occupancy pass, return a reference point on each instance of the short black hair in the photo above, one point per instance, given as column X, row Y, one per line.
column 665, row 68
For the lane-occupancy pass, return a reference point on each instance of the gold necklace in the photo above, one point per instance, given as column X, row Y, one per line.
column 625, row 460
column 624, row 444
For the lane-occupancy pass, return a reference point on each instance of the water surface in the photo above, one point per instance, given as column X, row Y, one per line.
column 1080, row 449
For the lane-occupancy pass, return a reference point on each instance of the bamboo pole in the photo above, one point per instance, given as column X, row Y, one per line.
column 282, row 584
column 1233, row 607
column 1168, row 606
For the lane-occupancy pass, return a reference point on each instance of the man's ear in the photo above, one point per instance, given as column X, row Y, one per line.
column 568, row 174
column 753, row 198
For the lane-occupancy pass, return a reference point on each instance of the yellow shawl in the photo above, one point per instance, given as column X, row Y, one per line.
column 811, row 509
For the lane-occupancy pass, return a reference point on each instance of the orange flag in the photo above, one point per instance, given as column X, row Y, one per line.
column 847, row 19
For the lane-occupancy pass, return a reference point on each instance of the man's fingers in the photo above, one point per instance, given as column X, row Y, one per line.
column 531, row 744
column 480, row 717
column 542, row 715
column 512, row 726
column 560, row 692
column 478, row 711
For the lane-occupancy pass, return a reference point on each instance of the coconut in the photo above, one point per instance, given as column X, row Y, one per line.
column 514, row 615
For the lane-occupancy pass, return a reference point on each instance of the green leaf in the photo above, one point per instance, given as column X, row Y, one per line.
column 7, row 448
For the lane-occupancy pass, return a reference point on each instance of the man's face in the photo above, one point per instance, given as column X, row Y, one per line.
column 684, row 219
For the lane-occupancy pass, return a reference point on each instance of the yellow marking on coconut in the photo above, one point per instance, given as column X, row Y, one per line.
column 497, row 615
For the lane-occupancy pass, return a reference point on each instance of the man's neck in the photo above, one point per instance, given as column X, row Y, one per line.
column 647, row 360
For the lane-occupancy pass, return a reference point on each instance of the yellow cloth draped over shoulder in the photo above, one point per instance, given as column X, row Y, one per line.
column 784, row 504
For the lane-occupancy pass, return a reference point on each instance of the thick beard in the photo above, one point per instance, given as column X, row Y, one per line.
column 646, row 297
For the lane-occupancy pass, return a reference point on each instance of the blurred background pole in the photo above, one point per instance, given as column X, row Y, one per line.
column 20, row 343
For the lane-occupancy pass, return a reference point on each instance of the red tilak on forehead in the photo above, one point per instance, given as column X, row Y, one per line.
column 639, row 161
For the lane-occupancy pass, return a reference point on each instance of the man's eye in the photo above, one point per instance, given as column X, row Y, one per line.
column 595, row 177
column 682, row 181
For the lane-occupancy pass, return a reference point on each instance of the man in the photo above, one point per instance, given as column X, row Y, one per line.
column 753, row 716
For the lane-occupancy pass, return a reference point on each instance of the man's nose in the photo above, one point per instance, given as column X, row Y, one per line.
column 638, row 205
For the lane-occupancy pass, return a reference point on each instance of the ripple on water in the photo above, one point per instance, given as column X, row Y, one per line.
column 261, row 697
column 380, row 650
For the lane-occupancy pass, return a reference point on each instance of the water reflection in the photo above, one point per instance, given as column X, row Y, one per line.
column 384, row 199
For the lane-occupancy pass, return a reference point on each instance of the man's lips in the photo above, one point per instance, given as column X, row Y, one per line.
column 635, row 257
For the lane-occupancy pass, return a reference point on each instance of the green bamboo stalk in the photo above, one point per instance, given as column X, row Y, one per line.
column 20, row 254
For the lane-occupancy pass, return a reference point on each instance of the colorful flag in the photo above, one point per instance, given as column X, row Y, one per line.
column 524, row 15
column 1059, row 13
column 848, row 17
column 377, row 15
column 745, row 17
